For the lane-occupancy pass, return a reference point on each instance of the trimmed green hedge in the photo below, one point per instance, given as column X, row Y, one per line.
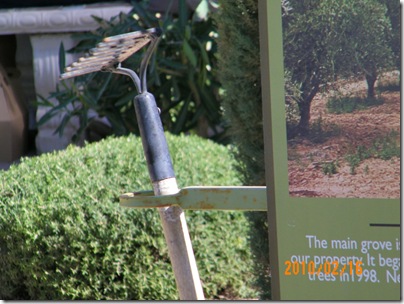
column 63, row 234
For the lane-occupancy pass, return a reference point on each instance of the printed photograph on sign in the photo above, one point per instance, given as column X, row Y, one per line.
column 342, row 98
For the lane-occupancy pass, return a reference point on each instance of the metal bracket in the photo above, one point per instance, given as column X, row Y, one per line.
column 201, row 197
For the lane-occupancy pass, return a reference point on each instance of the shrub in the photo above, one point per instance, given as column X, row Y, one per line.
column 329, row 168
column 339, row 105
column 384, row 147
column 64, row 236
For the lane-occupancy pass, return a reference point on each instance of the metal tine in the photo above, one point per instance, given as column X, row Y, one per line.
column 96, row 65
column 104, row 43
column 114, row 53
column 128, row 46
column 78, row 72
column 91, row 58
column 100, row 63
column 137, row 34
column 85, row 67
column 138, row 43
column 97, row 52
column 95, row 59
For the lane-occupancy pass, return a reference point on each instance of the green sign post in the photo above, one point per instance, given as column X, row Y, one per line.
column 320, row 248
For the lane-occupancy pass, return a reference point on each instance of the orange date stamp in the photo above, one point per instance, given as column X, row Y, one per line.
column 333, row 268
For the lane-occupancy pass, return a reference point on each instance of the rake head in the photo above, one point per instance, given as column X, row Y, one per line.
column 108, row 54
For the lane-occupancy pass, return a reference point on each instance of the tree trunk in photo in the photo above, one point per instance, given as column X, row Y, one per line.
column 304, row 123
column 371, row 78
column 309, row 89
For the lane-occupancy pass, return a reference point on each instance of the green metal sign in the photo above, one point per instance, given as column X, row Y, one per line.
column 320, row 248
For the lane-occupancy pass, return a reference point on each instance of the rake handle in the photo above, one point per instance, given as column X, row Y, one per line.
column 164, row 183
column 153, row 139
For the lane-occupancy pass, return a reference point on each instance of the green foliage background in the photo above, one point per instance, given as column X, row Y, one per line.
column 181, row 76
column 239, row 73
column 64, row 236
